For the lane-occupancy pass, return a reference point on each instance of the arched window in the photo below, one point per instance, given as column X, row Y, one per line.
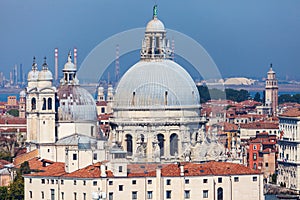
column 173, row 144
column 33, row 103
column 160, row 138
column 44, row 104
column 255, row 166
column 129, row 144
column 220, row 193
column 49, row 103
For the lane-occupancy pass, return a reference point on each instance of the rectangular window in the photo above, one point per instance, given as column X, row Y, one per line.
column 52, row 181
column 75, row 183
column 120, row 168
column 236, row 179
column 134, row 194
column 110, row 196
column 149, row 182
column 254, row 147
column 110, row 182
column 84, row 182
column 187, row 181
column 168, row 194
column 74, row 156
column 186, row 194
column 84, row 196
column 254, row 178
column 95, row 156
column 205, row 193
column 75, row 196
column 267, row 164
column 120, row 187
column 62, row 195
column 30, row 180
column 254, row 156
column 219, row 180
column 94, row 183
column 61, row 182
column 43, row 181
column 43, row 196
column 133, row 182
column 149, row 194
column 30, row 194
column 205, row 180
column 168, row 182
column 52, row 194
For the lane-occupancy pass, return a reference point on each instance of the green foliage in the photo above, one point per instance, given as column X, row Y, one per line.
column 273, row 178
column 13, row 112
column 257, row 97
column 5, row 156
column 230, row 94
column 285, row 98
column 25, row 169
column 237, row 95
column 4, row 193
column 16, row 189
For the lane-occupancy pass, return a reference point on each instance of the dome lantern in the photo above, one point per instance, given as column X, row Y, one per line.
column 155, row 46
column 69, row 72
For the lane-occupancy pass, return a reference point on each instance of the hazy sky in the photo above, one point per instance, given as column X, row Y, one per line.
column 243, row 37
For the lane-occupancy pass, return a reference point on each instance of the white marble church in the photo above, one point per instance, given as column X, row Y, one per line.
column 155, row 112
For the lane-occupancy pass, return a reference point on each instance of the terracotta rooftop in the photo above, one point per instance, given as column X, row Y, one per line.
column 260, row 125
column 292, row 112
column 12, row 120
column 144, row 170
column 25, row 157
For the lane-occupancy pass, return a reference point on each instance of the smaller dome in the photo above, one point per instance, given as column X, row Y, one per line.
column 155, row 25
column 33, row 75
column 22, row 93
column 45, row 75
column 69, row 66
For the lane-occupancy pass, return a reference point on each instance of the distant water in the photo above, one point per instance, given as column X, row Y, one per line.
column 271, row 197
column 252, row 93
column 3, row 97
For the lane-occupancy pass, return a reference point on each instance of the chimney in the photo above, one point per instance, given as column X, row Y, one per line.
column 103, row 171
column 56, row 63
column 181, row 170
column 75, row 56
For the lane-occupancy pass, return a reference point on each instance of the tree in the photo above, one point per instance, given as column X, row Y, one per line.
column 25, row 169
column 3, row 193
column 16, row 189
column 10, row 144
column 257, row 97
column 13, row 112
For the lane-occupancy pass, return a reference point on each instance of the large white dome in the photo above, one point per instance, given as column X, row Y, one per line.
column 76, row 104
column 156, row 84
column 155, row 25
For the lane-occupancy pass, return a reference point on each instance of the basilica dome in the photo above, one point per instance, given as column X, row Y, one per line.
column 45, row 75
column 155, row 25
column 33, row 75
column 75, row 104
column 156, row 84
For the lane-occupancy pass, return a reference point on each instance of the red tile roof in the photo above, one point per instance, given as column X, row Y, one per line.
column 25, row 157
column 260, row 125
column 12, row 120
column 144, row 170
column 293, row 112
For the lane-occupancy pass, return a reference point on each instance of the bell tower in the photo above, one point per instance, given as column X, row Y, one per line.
column 271, row 98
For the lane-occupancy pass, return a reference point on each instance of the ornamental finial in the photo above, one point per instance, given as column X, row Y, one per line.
column 154, row 11
column 69, row 57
